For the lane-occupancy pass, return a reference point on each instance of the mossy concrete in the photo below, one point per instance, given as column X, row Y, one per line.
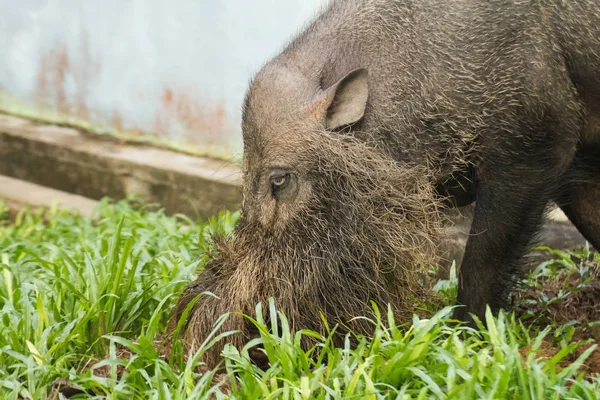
column 93, row 166
column 17, row 194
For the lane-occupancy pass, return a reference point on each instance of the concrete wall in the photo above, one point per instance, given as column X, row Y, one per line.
column 173, row 69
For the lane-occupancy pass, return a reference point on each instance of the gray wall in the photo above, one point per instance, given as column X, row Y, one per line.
column 176, row 70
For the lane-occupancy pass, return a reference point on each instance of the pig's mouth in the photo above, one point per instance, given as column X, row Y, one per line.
column 368, row 231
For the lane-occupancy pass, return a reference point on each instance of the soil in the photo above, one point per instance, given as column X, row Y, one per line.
column 570, row 298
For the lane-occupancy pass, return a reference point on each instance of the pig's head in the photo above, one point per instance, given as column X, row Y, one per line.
column 284, row 114
column 329, row 222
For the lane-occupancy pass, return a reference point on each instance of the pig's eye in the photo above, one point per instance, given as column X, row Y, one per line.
column 278, row 182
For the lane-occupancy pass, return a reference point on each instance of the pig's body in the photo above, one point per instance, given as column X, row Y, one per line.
column 377, row 106
column 497, row 98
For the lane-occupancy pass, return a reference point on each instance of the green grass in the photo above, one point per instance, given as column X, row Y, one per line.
column 87, row 300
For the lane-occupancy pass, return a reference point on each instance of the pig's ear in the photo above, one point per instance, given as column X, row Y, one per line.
column 347, row 99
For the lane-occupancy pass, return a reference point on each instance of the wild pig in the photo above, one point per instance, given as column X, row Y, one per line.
column 375, row 115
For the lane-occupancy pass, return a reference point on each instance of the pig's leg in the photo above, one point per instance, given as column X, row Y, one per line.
column 583, row 209
column 580, row 195
column 510, row 201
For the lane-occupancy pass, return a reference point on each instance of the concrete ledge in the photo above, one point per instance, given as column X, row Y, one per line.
column 78, row 163
column 17, row 194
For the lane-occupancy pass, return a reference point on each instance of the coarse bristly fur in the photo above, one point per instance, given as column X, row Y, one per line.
column 375, row 111
column 362, row 237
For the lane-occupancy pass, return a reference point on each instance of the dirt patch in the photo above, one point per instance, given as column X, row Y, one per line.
column 548, row 349
column 570, row 295
column 64, row 388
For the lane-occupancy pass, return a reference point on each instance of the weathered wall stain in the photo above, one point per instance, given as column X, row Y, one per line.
column 181, row 114
column 63, row 86
column 55, row 69
column 183, row 111
column 117, row 120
